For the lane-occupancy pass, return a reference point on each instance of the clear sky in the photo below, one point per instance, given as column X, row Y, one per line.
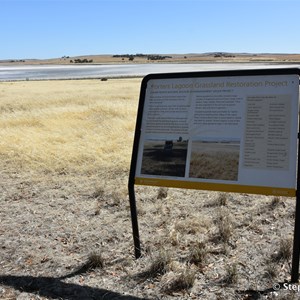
column 54, row 28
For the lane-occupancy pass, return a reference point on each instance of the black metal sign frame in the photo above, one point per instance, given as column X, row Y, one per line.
column 137, row 136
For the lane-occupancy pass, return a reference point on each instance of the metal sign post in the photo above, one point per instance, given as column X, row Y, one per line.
column 296, row 245
column 134, row 221
column 131, row 181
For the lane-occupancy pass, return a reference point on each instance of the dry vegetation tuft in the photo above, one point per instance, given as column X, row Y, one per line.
column 65, row 232
column 198, row 254
column 158, row 266
column 95, row 260
column 224, row 225
column 284, row 251
column 179, row 282
column 231, row 276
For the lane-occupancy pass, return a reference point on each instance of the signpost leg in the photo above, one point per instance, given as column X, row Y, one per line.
column 296, row 249
column 296, row 246
column 134, row 221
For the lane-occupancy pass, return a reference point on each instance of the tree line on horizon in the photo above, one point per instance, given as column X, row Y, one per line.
column 147, row 56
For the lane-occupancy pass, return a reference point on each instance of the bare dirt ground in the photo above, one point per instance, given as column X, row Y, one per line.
column 65, row 218
column 196, row 244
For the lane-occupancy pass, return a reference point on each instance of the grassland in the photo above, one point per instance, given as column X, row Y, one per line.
column 61, row 126
column 65, row 232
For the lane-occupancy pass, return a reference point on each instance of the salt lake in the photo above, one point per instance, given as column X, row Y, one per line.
column 47, row 72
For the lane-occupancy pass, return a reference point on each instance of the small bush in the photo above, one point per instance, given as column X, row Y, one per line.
column 198, row 254
column 224, row 225
column 158, row 266
column 231, row 275
column 271, row 271
column 275, row 201
column 162, row 193
column 184, row 281
column 95, row 260
column 97, row 208
column 222, row 200
column 284, row 252
column 98, row 193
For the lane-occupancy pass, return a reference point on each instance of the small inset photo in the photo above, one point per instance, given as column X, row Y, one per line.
column 164, row 157
column 215, row 159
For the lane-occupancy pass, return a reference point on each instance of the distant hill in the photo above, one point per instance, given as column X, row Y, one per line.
column 210, row 57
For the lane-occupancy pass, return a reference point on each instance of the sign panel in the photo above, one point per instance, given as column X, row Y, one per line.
column 228, row 131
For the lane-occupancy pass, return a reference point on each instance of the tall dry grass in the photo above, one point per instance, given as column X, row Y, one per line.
column 67, row 126
column 215, row 165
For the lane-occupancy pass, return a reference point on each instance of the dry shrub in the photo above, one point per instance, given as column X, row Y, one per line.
column 224, row 225
column 183, row 230
column 97, row 208
column 179, row 282
column 162, row 193
column 192, row 225
column 159, row 266
column 276, row 201
column 284, row 252
column 114, row 199
column 271, row 270
column 95, row 260
column 231, row 276
column 222, row 199
column 198, row 254
column 98, row 193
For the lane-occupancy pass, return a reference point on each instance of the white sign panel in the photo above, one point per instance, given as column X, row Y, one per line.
column 230, row 133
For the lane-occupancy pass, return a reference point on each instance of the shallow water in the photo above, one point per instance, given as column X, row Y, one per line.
column 32, row 72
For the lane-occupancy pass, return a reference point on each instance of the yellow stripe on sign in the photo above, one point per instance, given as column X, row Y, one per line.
column 234, row 188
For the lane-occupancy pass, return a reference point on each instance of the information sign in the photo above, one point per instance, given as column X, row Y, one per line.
column 232, row 131
column 225, row 131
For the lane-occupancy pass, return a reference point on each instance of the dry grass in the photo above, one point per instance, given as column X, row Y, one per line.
column 95, row 260
column 224, row 225
column 162, row 193
column 65, row 150
column 67, row 126
column 214, row 165
column 198, row 254
column 179, row 282
column 231, row 276
column 159, row 265
column 284, row 251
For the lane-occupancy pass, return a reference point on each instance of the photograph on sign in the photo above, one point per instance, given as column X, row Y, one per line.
column 230, row 132
column 216, row 159
column 165, row 157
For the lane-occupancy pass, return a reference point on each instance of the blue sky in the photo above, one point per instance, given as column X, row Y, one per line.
column 54, row 28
